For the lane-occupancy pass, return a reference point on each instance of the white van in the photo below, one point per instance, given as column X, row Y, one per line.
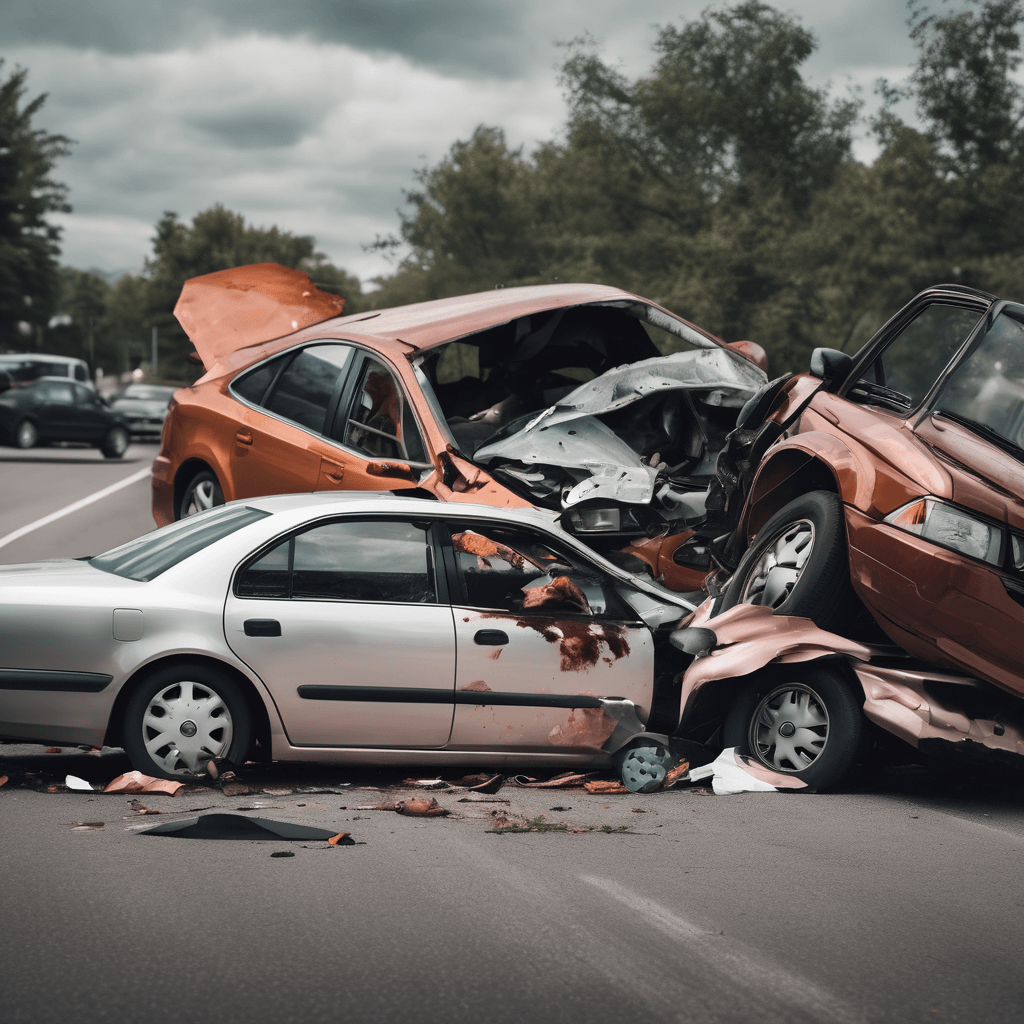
column 23, row 366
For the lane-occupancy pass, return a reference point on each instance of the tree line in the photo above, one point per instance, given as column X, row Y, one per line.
column 721, row 183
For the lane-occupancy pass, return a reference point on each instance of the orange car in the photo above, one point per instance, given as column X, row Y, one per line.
column 556, row 396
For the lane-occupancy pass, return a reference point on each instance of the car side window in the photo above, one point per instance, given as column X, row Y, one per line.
column 347, row 560
column 380, row 422
column 518, row 571
column 304, row 391
column 904, row 372
column 83, row 396
column 54, row 392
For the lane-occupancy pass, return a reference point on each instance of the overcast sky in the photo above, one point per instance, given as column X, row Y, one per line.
column 313, row 114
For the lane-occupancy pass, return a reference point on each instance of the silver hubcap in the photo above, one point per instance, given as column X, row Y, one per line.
column 118, row 442
column 789, row 729
column 776, row 572
column 185, row 725
column 26, row 435
column 204, row 496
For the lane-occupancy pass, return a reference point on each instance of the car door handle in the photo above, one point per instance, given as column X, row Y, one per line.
column 262, row 627
column 243, row 437
column 490, row 637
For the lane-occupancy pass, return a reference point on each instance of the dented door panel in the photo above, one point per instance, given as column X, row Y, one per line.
column 546, row 658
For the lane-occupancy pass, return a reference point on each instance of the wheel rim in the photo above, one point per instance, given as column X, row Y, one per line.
column 27, row 435
column 184, row 726
column 203, row 497
column 776, row 572
column 789, row 729
column 119, row 442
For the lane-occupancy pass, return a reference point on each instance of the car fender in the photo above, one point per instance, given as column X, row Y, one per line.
column 749, row 637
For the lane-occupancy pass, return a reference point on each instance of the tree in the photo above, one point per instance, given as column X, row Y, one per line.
column 29, row 272
column 216, row 240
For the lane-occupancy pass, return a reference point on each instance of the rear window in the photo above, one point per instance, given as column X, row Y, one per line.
column 146, row 557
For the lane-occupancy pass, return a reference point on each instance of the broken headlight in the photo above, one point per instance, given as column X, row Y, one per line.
column 595, row 520
column 951, row 527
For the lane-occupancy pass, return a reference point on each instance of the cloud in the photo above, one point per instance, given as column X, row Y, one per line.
column 317, row 138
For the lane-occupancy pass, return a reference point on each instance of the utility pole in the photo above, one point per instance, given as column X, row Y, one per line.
column 152, row 367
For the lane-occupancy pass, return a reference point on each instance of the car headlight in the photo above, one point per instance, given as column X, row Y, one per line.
column 596, row 520
column 951, row 527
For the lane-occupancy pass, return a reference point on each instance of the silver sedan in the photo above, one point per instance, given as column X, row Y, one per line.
column 339, row 627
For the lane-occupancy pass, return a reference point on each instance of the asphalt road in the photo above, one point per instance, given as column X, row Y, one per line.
column 897, row 899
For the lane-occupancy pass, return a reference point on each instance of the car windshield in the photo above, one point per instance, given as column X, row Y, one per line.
column 146, row 557
column 986, row 391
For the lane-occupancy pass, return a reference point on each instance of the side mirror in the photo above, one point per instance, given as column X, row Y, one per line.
column 830, row 364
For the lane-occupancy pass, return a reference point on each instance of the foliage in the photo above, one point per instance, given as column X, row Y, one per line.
column 722, row 184
column 29, row 271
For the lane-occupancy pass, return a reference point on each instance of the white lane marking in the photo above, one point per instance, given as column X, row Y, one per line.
column 75, row 506
column 740, row 966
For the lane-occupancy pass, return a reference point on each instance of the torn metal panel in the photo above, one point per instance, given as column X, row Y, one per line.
column 232, row 309
column 920, row 706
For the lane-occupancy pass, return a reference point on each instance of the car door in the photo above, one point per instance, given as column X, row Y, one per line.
column 350, row 628
column 373, row 428
column 540, row 636
column 56, row 412
column 278, row 444
column 91, row 416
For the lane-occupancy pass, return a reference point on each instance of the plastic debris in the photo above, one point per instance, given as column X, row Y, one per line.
column 678, row 774
column 74, row 783
column 563, row 781
column 87, row 826
column 342, row 839
column 604, row 786
column 421, row 808
column 437, row 783
column 136, row 782
column 732, row 773
column 234, row 826
column 487, row 784
column 645, row 766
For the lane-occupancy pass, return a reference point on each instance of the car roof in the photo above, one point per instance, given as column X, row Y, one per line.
column 242, row 309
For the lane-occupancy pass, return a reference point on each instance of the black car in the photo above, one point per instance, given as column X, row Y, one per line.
column 58, row 409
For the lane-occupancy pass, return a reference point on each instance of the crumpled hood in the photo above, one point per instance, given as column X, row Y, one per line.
column 568, row 434
column 232, row 309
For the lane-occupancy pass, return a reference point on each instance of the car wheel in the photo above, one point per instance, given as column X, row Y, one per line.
column 804, row 721
column 798, row 563
column 183, row 716
column 115, row 444
column 203, row 492
column 26, row 435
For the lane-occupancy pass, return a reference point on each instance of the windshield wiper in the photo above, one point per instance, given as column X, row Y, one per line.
column 987, row 432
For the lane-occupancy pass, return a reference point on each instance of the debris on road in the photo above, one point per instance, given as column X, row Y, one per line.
column 732, row 773
column 437, row 783
column 487, row 784
column 140, row 808
column 604, row 786
column 234, row 826
column 564, row 781
column 87, row 826
column 421, row 808
column 136, row 782
column 342, row 839
column 77, row 785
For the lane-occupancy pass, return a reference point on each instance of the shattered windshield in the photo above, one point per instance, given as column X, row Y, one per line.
column 986, row 391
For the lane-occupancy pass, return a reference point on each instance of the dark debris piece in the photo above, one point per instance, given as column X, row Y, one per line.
column 234, row 826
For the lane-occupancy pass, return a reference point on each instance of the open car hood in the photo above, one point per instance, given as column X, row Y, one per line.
column 568, row 434
column 232, row 309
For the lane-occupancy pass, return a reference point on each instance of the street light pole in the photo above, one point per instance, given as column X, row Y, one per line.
column 152, row 368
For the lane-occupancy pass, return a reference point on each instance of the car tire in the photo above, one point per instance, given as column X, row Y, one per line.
column 804, row 721
column 203, row 492
column 181, row 717
column 798, row 564
column 26, row 435
column 115, row 444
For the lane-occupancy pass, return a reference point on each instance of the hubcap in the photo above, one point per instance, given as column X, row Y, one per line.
column 119, row 442
column 185, row 725
column 204, row 496
column 789, row 729
column 776, row 572
column 26, row 435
